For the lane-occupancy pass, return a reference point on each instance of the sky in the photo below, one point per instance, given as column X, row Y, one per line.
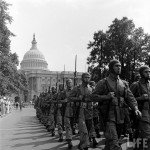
column 63, row 28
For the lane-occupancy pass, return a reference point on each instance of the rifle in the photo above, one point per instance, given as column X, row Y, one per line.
column 75, row 72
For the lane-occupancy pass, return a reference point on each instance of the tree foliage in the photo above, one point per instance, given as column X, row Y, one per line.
column 11, row 80
column 121, row 41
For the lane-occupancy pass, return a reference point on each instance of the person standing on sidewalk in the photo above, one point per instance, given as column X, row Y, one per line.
column 20, row 103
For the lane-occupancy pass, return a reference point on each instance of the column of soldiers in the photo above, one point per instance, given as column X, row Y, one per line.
column 110, row 106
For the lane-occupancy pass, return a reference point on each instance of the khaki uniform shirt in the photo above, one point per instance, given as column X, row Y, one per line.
column 113, row 110
column 86, row 108
column 138, row 89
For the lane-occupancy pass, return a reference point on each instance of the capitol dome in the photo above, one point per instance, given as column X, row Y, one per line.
column 33, row 59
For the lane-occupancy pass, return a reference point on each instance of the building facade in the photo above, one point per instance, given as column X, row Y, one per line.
column 40, row 78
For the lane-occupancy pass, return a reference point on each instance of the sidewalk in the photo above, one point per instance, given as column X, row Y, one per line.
column 4, row 115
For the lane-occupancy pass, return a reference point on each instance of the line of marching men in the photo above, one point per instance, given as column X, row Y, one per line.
column 104, row 107
column 62, row 109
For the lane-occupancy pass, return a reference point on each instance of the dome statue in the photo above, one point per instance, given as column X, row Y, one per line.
column 33, row 59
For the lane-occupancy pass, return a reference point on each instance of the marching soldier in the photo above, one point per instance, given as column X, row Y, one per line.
column 51, row 118
column 60, row 97
column 81, row 94
column 95, row 112
column 141, row 90
column 44, row 108
column 69, row 115
column 36, row 106
column 112, row 92
column 47, row 102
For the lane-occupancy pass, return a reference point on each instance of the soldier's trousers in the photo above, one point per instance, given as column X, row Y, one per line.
column 86, row 130
column 68, row 127
column 96, row 124
column 111, row 135
column 59, row 122
column 144, row 137
column 51, row 122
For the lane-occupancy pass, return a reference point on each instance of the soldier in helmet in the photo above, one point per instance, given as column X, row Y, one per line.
column 141, row 90
column 82, row 94
column 113, row 92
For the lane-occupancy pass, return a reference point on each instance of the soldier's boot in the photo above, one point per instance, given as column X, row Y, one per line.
column 60, row 137
column 53, row 132
column 70, row 145
column 86, row 148
column 95, row 143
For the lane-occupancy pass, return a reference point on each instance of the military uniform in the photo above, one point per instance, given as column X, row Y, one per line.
column 95, row 113
column 96, row 119
column 51, row 120
column 86, row 127
column 44, row 109
column 113, row 109
column 40, row 107
column 47, row 102
column 68, row 116
column 138, row 89
column 58, row 98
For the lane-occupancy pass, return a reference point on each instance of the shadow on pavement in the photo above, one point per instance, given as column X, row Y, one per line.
column 38, row 143
column 29, row 129
column 30, row 132
column 32, row 137
column 59, row 147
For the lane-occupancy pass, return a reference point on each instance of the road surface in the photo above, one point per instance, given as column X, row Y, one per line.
column 21, row 130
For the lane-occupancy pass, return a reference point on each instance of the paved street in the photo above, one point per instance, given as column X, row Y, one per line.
column 21, row 130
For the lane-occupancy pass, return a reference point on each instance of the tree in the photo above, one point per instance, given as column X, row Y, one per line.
column 124, row 42
column 9, row 74
column 99, row 55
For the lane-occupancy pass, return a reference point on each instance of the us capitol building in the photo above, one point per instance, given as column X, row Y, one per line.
column 40, row 78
